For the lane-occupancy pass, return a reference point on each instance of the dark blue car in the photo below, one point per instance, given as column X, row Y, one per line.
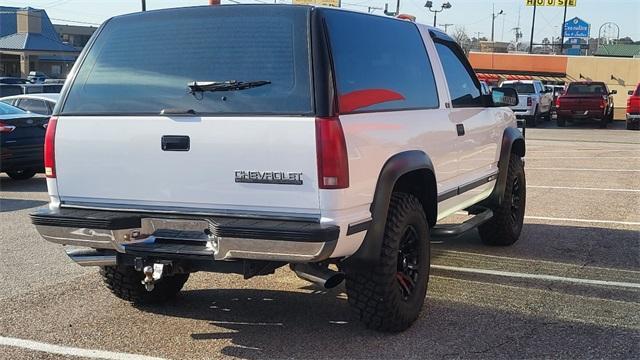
column 21, row 142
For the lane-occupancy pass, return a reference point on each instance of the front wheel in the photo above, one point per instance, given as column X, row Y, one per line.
column 21, row 174
column 506, row 224
column 126, row 283
column 390, row 295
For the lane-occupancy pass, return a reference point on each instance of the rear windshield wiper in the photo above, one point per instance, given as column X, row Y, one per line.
column 229, row 85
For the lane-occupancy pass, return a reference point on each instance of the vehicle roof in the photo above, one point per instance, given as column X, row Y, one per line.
column 200, row 7
column 44, row 96
column 519, row 81
column 587, row 82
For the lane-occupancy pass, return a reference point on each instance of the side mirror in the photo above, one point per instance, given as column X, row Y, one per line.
column 613, row 92
column 504, row 97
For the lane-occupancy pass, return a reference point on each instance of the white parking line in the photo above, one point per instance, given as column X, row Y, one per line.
column 582, row 157
column 579, row 169
column 538, row 276
column 581, row 188
column 65, row 350
column 582, row 220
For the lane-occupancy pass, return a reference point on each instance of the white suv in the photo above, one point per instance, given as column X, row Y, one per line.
column 245, row 138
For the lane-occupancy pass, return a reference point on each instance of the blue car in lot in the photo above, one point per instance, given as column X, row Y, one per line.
column 21, row 142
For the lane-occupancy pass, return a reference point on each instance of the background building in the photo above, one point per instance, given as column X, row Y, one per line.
column 29, row 42
column 76, row 36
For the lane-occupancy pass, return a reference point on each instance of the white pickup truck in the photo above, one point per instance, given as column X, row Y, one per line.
column 241, row 139
column 535, row 101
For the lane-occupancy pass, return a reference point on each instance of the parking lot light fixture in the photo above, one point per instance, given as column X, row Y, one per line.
column 429, row 5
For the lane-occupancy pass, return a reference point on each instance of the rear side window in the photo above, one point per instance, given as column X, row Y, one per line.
column 460, row 81
column 143, row 63
column 380, row 64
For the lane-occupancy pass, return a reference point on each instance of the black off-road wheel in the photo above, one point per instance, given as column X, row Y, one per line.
column 389, row 296
column 21, row 174
column 504, row 227
column 126, row 283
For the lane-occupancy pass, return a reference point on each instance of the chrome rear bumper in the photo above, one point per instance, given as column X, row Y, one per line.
column 167, row 238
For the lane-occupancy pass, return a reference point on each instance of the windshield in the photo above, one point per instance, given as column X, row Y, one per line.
column 144, row 63
column 520, row 88
column 587, row 89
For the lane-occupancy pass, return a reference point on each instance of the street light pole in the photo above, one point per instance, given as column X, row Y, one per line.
column 144, row 5
column 564, row 20
column 429, row 6
column 533, row 26
column 493, row 20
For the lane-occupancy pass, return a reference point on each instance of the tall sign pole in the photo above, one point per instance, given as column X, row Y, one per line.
column 564, row 20
column 533, row 26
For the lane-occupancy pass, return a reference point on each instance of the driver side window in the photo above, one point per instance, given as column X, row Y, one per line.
column 462, row 85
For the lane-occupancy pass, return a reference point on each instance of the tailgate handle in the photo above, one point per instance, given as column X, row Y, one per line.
column 176, row 143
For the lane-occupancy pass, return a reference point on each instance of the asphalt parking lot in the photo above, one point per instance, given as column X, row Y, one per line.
column 570, row 288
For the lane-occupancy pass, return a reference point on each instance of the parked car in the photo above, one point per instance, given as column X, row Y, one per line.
column 304, row 153
column 13, row 80
column 21, row 142
column 11, row 89
column 36, row 103
column 36, row 77
column 585, row 100
column 555, row 91
column 633, row 109
column 534, row 100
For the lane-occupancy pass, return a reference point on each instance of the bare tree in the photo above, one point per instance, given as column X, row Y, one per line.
column 461, row 37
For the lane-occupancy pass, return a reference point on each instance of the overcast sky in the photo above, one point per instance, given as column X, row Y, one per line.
column 473, row 15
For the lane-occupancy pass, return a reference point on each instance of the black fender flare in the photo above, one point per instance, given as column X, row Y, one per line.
column 512, row 143
column 396, row 166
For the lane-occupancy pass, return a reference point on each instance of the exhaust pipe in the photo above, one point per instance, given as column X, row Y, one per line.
column 318, row 274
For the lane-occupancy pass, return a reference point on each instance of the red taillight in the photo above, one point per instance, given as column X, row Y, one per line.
column 49, row 149
column 603, row 103
column 4, row 128
column 529, row 101
column 331, row 150
column 558, row 102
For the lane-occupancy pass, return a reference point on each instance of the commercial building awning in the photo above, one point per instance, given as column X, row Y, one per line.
column 497, row 77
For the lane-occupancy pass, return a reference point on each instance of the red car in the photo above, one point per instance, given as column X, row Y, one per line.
column 585, row 100
column 633, row 109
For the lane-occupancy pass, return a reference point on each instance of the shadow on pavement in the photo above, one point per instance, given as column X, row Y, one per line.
column 281, row 324
column 35, row 184
column 580, row 245
column 7, row 205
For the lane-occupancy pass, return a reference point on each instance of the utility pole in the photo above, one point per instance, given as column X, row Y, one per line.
column 493, row 20
column 478, row 37
column 446, row 26
column 144, row 5
column 564, row 20
column 533, row 26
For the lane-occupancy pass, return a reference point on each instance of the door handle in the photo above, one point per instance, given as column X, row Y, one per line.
column 175, row 143
column 460, row 128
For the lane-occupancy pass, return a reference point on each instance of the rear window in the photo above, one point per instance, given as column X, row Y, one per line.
column 380, row 63
column 597, row 89
column 6, row 109
column 142, row 64
column 521, row 88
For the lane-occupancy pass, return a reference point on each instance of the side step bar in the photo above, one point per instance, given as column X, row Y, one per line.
column 453, row 230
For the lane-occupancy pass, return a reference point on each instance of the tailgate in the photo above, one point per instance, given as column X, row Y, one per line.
column 120, row 162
